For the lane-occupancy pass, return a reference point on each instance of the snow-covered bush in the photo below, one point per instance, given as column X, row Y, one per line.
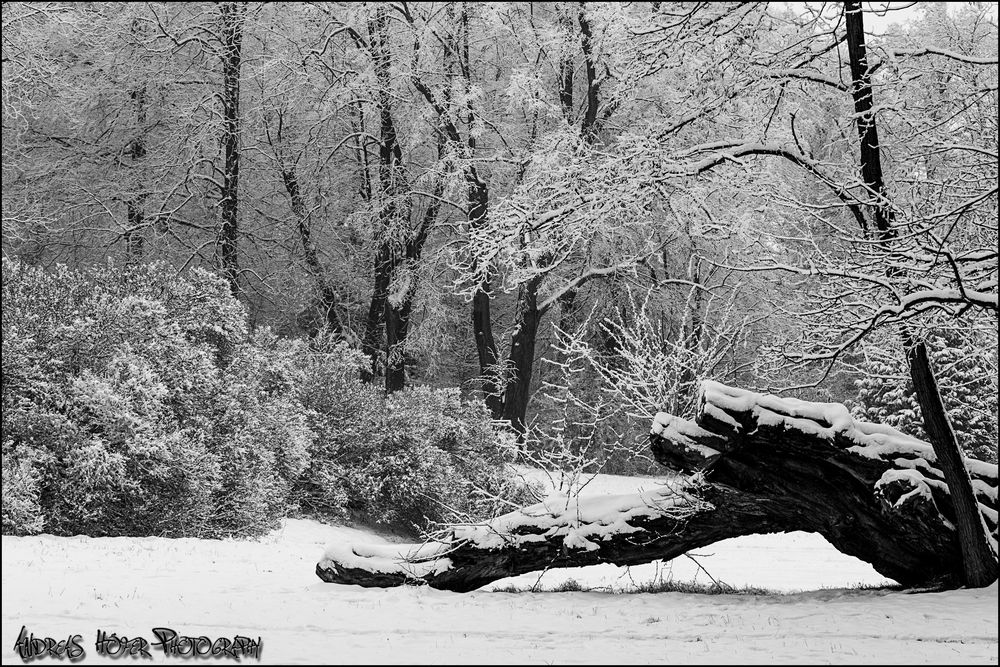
column 132, row 405
column 443, row 459
column 261, row 434
column 137, row 402
column 339, row 408
column 22, row 514
column 416, row 456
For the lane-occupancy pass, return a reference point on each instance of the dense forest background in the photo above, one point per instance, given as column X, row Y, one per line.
column 263, row 255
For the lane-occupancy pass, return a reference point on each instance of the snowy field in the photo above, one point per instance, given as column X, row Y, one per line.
column 59, row 586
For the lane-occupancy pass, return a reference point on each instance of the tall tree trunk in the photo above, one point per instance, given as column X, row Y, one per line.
column 522, row 355
column 567, row 302
column 392, row 181
column 479, row 197
column 979, row 561
column 134, row 241
column 482, row 324
column 232, row 14
column 397, row 318
column 365, row 188
column 372, row 341
column 588, row 127
column 523, row 341
column 566, row 64
column 327, row 295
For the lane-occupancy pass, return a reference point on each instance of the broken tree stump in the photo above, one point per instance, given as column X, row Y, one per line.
column 763, row 464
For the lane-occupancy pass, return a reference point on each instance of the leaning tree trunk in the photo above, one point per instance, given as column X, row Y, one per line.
column 978, row 555
column 979, row 560
column 768, row 465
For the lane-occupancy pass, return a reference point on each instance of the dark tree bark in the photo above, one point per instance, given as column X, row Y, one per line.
column 232, row 16
column 979, row 559
column 398, row 244
column 521, row 358
column 134, row 240
column 134, row 235
column 482, row 323
column 365, row 188
column 392, row 180
column 397, row 317
column 663, row 537
column 767, row 466
column 871, row 161
column 371, row 342
column 588, row 126
column 522, row 355
column 327, row 296
column 477, row 196
column 566, row 66
column 397, row 324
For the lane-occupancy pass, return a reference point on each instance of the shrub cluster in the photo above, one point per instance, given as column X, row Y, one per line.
column 137, row 402
column 416, row 456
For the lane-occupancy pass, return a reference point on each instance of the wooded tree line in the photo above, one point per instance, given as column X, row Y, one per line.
column 577, row 209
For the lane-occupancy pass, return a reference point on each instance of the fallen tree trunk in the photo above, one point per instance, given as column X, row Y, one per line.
column 765, row 465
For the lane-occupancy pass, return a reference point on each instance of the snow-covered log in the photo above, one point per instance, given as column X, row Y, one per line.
column 764, row 464
column 871, row 491
column 562, row 531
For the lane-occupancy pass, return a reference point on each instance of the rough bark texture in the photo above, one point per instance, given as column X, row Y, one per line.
column 522, row 354
column 978, row 557
column 767, row 466
column 588, row 127
column 134, row 234
column 397, row 316
column 478, row 197
column 566, row 66
column 871, row 162
column 661, row 536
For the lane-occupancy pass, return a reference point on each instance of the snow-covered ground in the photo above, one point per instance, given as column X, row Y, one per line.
column 57, row 586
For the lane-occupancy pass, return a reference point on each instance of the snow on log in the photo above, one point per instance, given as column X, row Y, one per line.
column 562, row 531
column 872, row 491
column 765, row 464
